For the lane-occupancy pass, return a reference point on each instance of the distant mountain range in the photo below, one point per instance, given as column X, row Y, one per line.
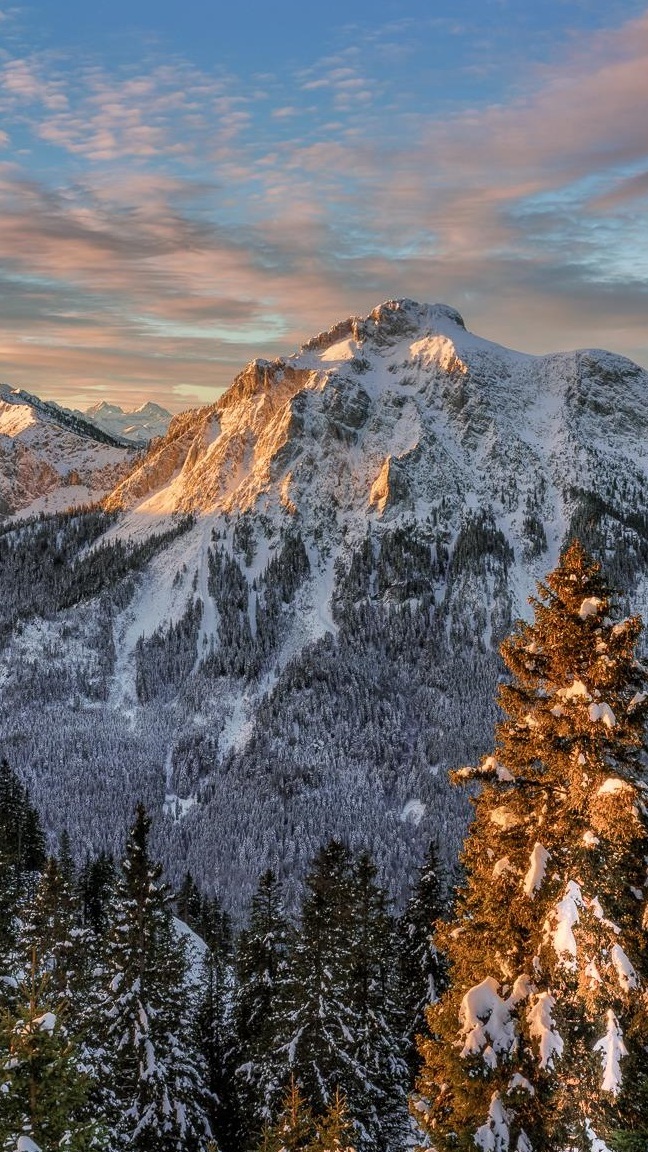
column 283, row 624
column 51, row 458
column 138, row 424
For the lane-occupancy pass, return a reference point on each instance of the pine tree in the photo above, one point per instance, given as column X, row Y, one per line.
column 189, row 902
column 259, row 1012
column 96, row 887
column 377, row 1090
column 21, row 834
column 214, row 1023
column 540, row 1042
column 43, row 1085
column 344, row 1024
column 334, row 1130
column 155, row 1091
column 320, row 1016
column 295, row 1127
column 422, row 976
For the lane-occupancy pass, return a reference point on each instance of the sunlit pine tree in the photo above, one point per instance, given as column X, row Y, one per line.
column 541, row 1042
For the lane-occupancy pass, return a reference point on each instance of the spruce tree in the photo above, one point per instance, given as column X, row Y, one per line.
column 422, row 975
column 262, row 972
column 343, row 1019
column 295, row 1127
column 43, row 1084
column 541, row 1042
column 155, row 1090
column 96, row 887
column 21, row 834
column 377, row 1090
column 320, row 1016
column 334, row 1130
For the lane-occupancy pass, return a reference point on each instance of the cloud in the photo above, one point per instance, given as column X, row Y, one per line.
column 184, row 237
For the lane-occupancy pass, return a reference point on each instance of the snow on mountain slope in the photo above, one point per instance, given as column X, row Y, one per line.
column 397, row 418
column 384, row 415
column 49, row 460
column 350, row 532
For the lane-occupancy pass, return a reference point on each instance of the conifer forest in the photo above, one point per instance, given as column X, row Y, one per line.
column 501, row 1004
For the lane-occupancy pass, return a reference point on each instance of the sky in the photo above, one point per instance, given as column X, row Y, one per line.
column 188, row 184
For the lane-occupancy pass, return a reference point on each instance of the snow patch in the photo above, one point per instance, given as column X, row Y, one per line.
column 612, row 786
column 493, row 1136
column 566, row 916
column 543, row 1029
column 591, row 606
column 596, row 1145
column 626, row 974
column 602, row 712
column 46, row 1022
column 612, row 1051
column 486, row 1023
column 505, row 818
column 521, row 1082
column 575, row 691
column 413, row 812
column 536, row 871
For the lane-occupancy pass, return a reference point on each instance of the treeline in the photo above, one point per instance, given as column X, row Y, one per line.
column 132, row 1018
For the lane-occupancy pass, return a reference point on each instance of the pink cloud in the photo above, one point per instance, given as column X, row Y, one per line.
column 488, row 210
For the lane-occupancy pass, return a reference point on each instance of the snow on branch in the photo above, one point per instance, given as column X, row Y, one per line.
column 536, row 872
column 591, row 606
column 493, row 1136
column 486, row 1023
column 543, row 1029
column 612, row 1051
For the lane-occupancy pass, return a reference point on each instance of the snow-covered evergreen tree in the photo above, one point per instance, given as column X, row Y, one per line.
column 155, row 1093
column 320, row 1017
column 541, row 1042
column 422, row 975
column 377, row 1091
column 342, row 1016
column 262, row 973
column 43, row 1084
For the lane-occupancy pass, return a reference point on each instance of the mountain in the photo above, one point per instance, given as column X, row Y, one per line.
column 284, row 624
column 138, row 425
column 50, row 458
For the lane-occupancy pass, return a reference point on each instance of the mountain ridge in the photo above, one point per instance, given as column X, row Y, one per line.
column 49, row 458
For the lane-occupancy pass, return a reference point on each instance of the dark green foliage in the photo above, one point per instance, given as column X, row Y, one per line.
column 480, row 546
column 262, row 977
column 155, row 1095
column 96, row 886
column 46, row 564
column 423, row 975
column 165, row 659
column 343, row 1016
column 21, row 837
column 618, row 535
column 43, row 1086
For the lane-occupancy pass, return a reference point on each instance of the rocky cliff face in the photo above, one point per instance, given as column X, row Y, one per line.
column 291, row 625
column 395, row 413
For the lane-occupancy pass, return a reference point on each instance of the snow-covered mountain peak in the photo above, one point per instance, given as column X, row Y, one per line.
column 379, row 417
